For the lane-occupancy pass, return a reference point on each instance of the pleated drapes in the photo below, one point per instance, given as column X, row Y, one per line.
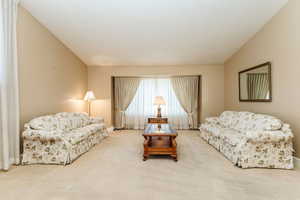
column 258, row 85
column 124, row 91
column 186, row 90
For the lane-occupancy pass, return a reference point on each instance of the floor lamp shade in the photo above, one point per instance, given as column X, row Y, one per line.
column 89, row 96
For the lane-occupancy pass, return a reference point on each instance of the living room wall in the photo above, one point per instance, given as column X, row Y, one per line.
column 278, row 42
column 212, row 84
column 51, row 76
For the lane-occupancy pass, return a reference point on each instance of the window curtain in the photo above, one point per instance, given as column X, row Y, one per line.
column 125, row 89
column 141, row 107
column 9, row 92
column 186, row 90
column 258, row 85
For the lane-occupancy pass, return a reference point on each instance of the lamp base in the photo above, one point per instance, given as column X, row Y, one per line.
column 159, row 112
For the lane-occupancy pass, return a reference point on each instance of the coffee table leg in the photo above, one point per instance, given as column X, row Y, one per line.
column 146, row 144
column 145, row 158
column 174, row 157
column 174, row 146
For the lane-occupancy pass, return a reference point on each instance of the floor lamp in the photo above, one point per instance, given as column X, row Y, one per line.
column 89, row 97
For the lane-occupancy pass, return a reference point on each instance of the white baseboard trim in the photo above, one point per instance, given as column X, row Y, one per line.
column 296, row 163
column 110, row 129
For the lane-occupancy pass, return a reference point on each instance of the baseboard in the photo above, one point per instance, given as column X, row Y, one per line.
column 110, row 129
column 296, row 163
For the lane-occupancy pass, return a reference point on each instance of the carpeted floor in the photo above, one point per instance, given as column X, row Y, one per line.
column 114, row 170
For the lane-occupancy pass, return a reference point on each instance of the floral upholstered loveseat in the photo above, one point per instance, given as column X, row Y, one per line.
column 60, row 138
column 250, row 140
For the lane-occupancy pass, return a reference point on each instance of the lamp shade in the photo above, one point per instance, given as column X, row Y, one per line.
column 159, row 100
column 89, row 96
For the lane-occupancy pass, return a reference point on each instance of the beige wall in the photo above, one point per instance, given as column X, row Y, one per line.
column 278, row 42
column 50, row 74
column 212, row 84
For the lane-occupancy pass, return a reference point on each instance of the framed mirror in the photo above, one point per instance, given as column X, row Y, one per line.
column 255, row 84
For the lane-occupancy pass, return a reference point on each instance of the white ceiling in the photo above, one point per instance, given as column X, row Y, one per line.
column 153, row 32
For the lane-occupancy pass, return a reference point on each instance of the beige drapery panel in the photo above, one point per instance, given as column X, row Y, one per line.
column 258, row 85
column 186, row 90
column 124, row 89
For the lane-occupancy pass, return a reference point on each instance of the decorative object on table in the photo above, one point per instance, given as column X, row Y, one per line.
column 89, row 97
column 158, row 101
column 160, row 141
column 250, row 140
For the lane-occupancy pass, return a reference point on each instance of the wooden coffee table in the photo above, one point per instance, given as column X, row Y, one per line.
column 160, row 140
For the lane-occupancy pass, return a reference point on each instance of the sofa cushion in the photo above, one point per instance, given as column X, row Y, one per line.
column 232, row 136
column 265, row 122
column 229, row 119
column 268, row 136
column 244, row 121
column 214, row 129
column 61, row 121
column 213, row 120
column 72, row 120
column 77, row 135
column 42, row 135
column 48, row 123
column 96, row 120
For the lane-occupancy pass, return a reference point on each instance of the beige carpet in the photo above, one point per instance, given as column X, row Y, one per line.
column 114, row 170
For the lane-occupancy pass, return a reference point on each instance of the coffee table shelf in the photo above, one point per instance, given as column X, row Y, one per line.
column 160, row 140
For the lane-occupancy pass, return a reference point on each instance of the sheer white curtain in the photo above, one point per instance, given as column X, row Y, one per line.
column 142, row 106
column 9, row 93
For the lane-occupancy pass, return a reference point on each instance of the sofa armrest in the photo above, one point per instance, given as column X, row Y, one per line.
column 286, row 128
column 212, row 120
column 42, row 135
column 27, row 126
column 96, row 120
column 269, row 136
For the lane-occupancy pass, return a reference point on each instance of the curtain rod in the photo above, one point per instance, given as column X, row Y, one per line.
column 157, row 76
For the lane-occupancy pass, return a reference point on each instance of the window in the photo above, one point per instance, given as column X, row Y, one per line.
column 142, row 106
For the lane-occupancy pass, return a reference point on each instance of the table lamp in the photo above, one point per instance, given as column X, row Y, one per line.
column 158, row 101
column 89, row 97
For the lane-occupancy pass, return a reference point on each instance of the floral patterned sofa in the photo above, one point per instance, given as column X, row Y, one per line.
column 60, row 138
column 250, row 140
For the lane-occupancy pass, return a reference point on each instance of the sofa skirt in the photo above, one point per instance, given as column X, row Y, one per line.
column 58, row 151
column 254, row 154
